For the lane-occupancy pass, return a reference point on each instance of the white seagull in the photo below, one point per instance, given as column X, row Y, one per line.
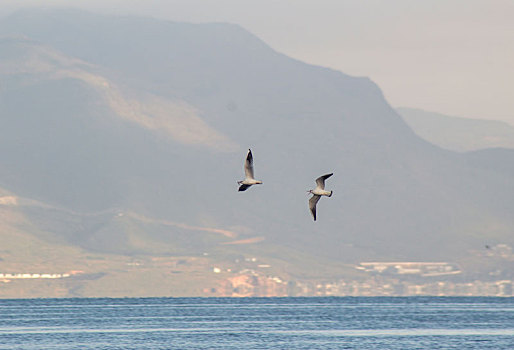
column 249, row 180
column 318, row 192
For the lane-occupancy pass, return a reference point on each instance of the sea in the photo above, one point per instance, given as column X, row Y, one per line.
column 258, row 323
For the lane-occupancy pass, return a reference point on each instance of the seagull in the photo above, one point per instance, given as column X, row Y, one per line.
column 318, row 192
column 249, row 180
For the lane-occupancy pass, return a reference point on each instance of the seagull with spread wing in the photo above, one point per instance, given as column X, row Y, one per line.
column 318, row 192
column 249, row 179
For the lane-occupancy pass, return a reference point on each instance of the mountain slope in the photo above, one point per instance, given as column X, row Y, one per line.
column 166, row 139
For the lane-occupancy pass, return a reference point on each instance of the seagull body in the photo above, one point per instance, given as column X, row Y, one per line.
column 318, row 192
column 249, row 179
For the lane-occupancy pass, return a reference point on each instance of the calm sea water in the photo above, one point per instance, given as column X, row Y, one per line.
column 258, row 323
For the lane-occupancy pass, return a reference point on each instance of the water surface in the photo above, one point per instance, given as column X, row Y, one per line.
column 258, row 323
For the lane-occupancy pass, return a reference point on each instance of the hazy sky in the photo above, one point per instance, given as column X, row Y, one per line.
column 450, row 56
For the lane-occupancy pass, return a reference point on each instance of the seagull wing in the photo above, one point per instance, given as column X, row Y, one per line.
column 320, row 181
column 244, row 187
column 249, row 165
column 312, row 205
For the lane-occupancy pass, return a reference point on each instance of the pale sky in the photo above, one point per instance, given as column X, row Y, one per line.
column 454, row 57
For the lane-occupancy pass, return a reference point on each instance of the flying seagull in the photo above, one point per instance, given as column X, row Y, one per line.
column 318, row 192
column 249, row 180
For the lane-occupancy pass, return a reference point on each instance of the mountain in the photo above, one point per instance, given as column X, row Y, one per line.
column 131, row 134
column 458, row 134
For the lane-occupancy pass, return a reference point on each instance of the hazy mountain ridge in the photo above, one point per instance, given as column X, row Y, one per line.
column 458, row 134
column 92, row 140
column 175, row 119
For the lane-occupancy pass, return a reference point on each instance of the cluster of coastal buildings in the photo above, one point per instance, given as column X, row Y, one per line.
column 395, row 287
column 11, row 276
column 425, row 269
column 384, row 279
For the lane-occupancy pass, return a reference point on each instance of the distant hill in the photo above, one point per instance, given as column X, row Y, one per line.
column 132, row 132
column 458, row 134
